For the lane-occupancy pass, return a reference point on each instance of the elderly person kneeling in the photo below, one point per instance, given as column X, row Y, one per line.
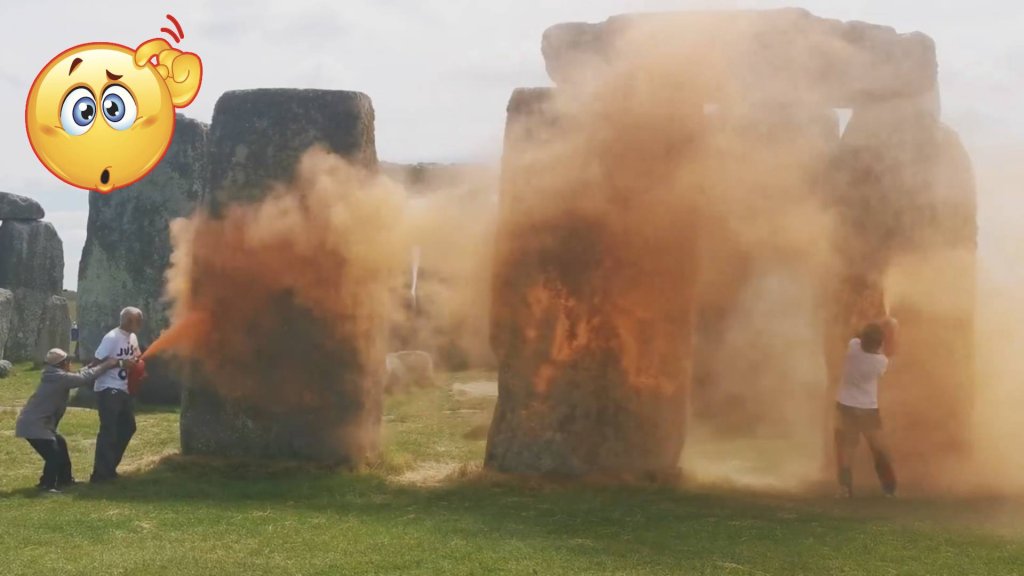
column 38, row 420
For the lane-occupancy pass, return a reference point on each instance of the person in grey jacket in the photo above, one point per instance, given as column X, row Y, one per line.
column 38, row 420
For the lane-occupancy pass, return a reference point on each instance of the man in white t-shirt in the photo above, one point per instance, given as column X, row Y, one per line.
column 117, row 415
column 867, row 359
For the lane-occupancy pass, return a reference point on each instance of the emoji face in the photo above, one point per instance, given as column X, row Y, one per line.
column 96, row 119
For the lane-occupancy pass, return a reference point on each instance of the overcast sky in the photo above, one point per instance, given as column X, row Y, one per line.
column 440, row 71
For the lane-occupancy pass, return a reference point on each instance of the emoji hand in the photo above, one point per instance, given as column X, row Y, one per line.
column 182, row 71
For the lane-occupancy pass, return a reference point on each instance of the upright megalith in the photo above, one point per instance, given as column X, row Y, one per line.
column 32, row 268
column 128, row 249
column 259, row 135
column 591, row 329
column 304, row 391
column 54, row 327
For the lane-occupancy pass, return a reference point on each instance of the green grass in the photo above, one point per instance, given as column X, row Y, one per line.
column 427, row 509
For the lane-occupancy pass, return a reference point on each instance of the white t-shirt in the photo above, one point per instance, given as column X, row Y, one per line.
column 119, row 344
column 861, row 371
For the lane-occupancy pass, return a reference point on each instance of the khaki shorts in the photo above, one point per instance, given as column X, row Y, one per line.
column 855, row 421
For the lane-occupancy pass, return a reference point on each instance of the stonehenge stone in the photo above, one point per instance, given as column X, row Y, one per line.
column 128, row 248
column 54, row 328
column 592, row 334
column 6, row 318
column 259, row 135
column 15, row 207
column 5, row 368
column 31, row 256
column 256, row 139
column 785, row 54
column 32, row 268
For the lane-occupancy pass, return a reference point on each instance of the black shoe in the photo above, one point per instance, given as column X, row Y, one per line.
column 101, row 479
column 67, row 483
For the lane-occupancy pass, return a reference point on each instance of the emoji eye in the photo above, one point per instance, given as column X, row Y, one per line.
column 119, row 107
column 78, row 111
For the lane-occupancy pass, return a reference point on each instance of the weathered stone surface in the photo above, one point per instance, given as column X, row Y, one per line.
column 5, row 368
column 258, row 136
column 909, row 236
column 31, row 256
column 256, row 139
column 332, row 418
column 32, row 267
column 15, row 207
column 592, row 332
column 6, row 318
column 128, row 248
column 777, row 54
column 54, row 328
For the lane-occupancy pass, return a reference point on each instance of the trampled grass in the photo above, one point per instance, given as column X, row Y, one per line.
column 427, row 509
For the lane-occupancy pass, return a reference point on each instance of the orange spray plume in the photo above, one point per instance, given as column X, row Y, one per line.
column 183, row 335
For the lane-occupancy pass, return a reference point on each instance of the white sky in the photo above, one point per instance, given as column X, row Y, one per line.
column 440, row 71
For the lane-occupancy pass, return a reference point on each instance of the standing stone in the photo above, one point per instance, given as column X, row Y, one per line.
column 54, row 328
column 256, row 139
column 260, row 135
column 32, row 267
column 128, row 249
column 5, row 368
column 31, row 256
column 6, row 318
column 15, row 207
column 592, row 330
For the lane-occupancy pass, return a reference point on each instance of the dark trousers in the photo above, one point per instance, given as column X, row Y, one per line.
column 117, row 426
column 57, row 461
column 852, row 423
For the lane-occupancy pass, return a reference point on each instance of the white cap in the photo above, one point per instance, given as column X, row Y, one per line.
column 56, row 356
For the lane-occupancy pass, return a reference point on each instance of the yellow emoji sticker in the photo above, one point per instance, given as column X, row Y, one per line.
column 100, row 116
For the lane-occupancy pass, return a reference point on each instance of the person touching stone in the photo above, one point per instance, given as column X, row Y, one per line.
column 857, row 414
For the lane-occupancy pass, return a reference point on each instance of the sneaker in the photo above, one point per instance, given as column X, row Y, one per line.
column 844, row 493
column 53, row 491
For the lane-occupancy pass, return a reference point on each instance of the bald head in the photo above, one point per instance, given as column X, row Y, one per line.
column 131, row 319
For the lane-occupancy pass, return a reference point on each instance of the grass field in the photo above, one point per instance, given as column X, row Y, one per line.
column 427, row 509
